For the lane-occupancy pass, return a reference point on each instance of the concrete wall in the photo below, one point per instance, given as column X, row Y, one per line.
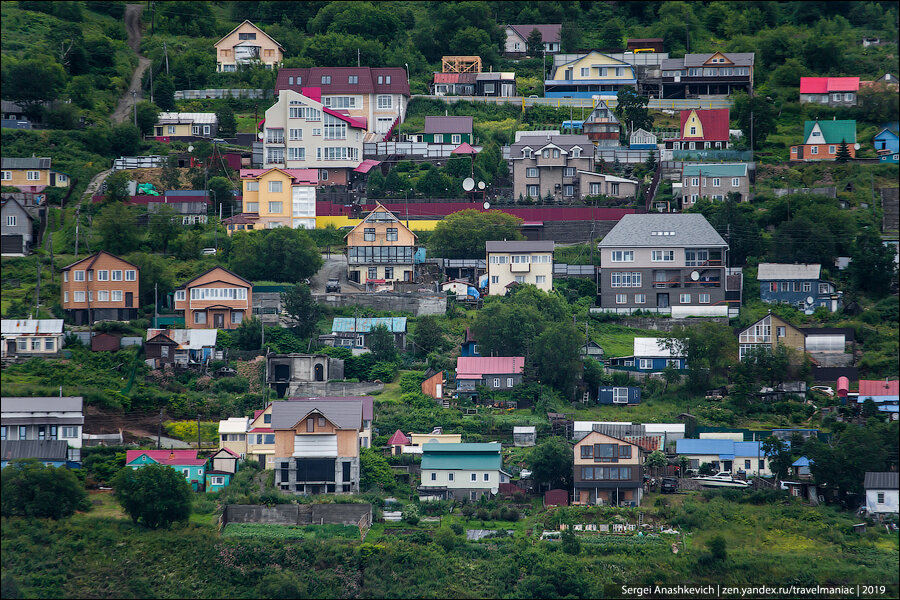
column 417, row 304
column 336, row 388
column 575, row 231
column 298, row 514
column 667, row 324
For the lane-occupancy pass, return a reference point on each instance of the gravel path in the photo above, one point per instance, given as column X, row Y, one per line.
column 133, row 26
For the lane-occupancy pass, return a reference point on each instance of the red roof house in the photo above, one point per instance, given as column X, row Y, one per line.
column 702, row 129
column 476, row 367
column 879, row 389
column 399, row 439
column 824, row 85
column 345, row 80
column 166, row 457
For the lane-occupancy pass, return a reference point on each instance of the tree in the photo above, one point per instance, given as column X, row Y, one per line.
column 718, row 548
column 778, row 452
column 31, row 82
column 154, row 495
column 374, row 471
column 535, row 43
column 147, row 116
column 170, row 177
column 32, row 489
column 464, row 233
column 551, row 464
column 434, row 184
column 656, row 461
column 555, row 355
column 222, row 191
column 651, row 161
column 504, row 329
column 117, row 188
column 632, row 110
column 570, row 36
column 375, row 184
column 428, row 336
column 872, row 268
column 163, row 228
column 843, row 152
column 227, row 122
column 164, row 92
column 281, row 585
column 156, row 276
column 248, row 335
column 118, row 228
column 878, row 104
column 281, row 254
column 299, row 304
column 670, row 375
column 611, row 34
column 124, row 140
column 762, row 112
column 708, row 349
column 570, row 543
column 380, row 341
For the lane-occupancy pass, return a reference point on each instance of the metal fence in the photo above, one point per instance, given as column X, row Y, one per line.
column 138, row 162
column 656, row 104
column 257, row 94
column 712, row 155
column 420, row 149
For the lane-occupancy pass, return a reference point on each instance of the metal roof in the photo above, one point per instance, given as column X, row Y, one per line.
column 448, row 124
column 824, row 85
column 718, row 447
column 367, row 324
column 31, row 326
column 368, row 403
column 531, row 429
column 802, row 462
column 167, row 457
column 185, row 117
column 25, row 163
column 461, row 456
column 475, row 367
column 21, row 404
column 769, row 271
column 718, row 170
column 879, row 387
column 234, row 425
column 520, row 246
column 549, row 32
column 834, row 131
column 536, row 140
column 366, row 80
column 648, row 347
column 881, row 480
column 653, row 231
column 40, row 449
column 345, row 413
column 740, row 59
column 188, row 339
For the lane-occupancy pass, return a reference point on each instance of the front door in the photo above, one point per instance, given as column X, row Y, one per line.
column 320, row 373
column 662, row 300
column 129, row 299
column 219, row 321
column 262, row 461
column 11, row 347
column 800, row 152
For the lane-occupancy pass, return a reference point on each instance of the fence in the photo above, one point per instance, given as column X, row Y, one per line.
column 656, row 104
column 138, row 162
column 419, row 149
column 257, row 94
column 712, row 155
column 562, row 270
column 624, row 155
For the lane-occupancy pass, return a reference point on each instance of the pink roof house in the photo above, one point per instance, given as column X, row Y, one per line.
column 500, row 373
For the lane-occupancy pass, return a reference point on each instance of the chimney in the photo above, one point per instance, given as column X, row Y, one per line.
column 172, row 455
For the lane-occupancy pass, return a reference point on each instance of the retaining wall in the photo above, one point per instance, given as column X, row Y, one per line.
column 657, row 324
column 314, row 389
column 417, row 304
column 299, row 514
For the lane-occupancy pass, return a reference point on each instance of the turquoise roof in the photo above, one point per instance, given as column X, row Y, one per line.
column 367, row 324
column 834, row 131
column 719, row 170
column 482, row 457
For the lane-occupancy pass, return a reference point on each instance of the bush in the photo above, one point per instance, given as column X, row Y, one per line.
column 155, row 495
column 383, row 371
column 32, row 489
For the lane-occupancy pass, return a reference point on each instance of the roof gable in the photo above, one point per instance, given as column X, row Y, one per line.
column 712, row 123
column 247, row 22
column 369, row 219
column 596, row 437
column 833, row 132
column 550, row 33
column 718, row 59
column 93, row 257
column 223, row 269
column 668, row 230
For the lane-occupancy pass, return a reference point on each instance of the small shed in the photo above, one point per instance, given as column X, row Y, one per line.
column 524, row 436
column 619, row 395
column 225, row 461
column 556, row 498
column 105, row 342
column 433, row 386
column 397, row 442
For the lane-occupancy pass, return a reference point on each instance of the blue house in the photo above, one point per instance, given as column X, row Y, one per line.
column 183, row 461
column 469, row 345
column 650, row 356
column 619, row 395
column 892, row 158
column 725, row 455
column 53, row 453
column 887, row 141
column 799, row 285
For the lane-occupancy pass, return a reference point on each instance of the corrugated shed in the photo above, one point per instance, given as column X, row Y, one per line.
column 367, row 324
column 31, row 326
column 56, row 450
column 881, row 480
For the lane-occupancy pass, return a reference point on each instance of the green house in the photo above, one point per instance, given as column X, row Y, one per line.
column 183, row 461
column 447, row 130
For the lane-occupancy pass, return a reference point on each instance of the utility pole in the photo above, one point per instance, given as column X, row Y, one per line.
column 159, row 429
column 37, row 304
column 77, row 219
column 166, row 51
column 50, row 244
column 152, row 17
column 198, row 431
column 155, row 304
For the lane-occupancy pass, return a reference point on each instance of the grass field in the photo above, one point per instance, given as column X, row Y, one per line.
column 290, row 532
column 617, row 340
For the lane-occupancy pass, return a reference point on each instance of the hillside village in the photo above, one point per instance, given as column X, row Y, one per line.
column 528, row 292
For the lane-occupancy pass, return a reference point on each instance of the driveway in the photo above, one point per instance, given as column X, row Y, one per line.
column 335, row 266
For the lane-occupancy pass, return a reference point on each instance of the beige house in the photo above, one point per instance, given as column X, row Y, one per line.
column 714, row 182
column 31, row 337
column 100, row 287
column 247, row 44
column 280, row 197
column 509, row 263
column 31, row 174
column 175, row 124
column 233, row 435
column 608, row 471
column 302, row 133
column 218, row 298
column 380, row 249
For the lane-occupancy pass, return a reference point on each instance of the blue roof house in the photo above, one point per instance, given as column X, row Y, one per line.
column 800, row 468
column 461, row 471
column 800, row 285
column 351, row 332
column 650, row 356
column 725, row 455
column 887, row 141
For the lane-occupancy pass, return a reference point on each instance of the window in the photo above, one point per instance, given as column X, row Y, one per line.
column 252, row 207
column 529, row 172
column 540, row 279
column 449, row 476
column 294, row 135
column 296, row 153
column 236, row 318
column 103, row 275
column 326, row 79
column 613, row 189
column 569, row 190
column 389, row 272
column 640, row 298
column 70, row 432
column 645, row 364
column 354, row 79
column 489, row 88
column 807, row 286
column 6, row 175
column 392, row 234
column 576, row 153
column 474, row 477
column 11, row 219
column 496, row 382
column 624, row 451
column 23, row 432
column 246, row 36
column 495, row 279
column 199, row 318
column 276, row 207
column 703, row 298
column 585, row 71
column 335, row 128
column 622, row 255
column 79, row 297
column 527, row 153
column 662, row 255
column 533, row 190
column 621, row 298
column 814, row 150
column 684, row 298
column 22, row 344
column 323, row 174
column 605, row 453
column 673, row 362
column 35, row 175
column 455, row 139
column 79, row 275
column 116, row 275
column 717, row 182
column 102, row 296
column 880, row 498
column 274, row 155
column 556, row 153
column 385, row 102
column 620, row 395
column 35, row 344
column 625, row 279
column 369, row 234
column 275, row 187
column 65, row 297
column 569, row 172
column 433, row 476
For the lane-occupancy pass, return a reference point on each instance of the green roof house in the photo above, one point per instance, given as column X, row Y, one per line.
column 822, row 140
column 461, row 471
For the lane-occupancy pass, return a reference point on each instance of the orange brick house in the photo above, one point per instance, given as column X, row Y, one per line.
column 216, row 299
column 100, row 287
column 823, row 139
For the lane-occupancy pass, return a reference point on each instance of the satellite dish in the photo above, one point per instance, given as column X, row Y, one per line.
column 856, row 146
column 810, row 300
column 260, row 135
column 480, row 185
column 468, row 184
column 487, row 205
column 695, row 275
column 190, row 148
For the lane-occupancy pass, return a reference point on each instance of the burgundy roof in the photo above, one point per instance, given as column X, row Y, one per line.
column 455, row 77
column 823, row 85
column 877, row 387
column 310, row 176
column 469, row 367
column 508, row 489
column 448, row 124
column 167, row 457
column 470, row 337
column 549, row 33
column 231, row 452
column 399, row 439
column 556, row 498
column 366, row 165
column 714, row 121
column 241, row 219
column 262, row 430
column 368, row 80
column 442, row 209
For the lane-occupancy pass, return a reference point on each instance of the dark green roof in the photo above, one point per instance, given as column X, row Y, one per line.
column 833, row 131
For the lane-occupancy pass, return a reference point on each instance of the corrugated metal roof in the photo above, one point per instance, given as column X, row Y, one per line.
column 40, row 449
column 188, row 339
column 713, row 121
column 186, row 117
column 662, row 231
column 367, row 324
column 549, row 32
column 366, row 77
column 531, row 429
column 802, row 462
column 719, row 447
column 448, row 124
column 879, row 387
column 398, row 439
column 881, row 480
column 31, row 326
column 29, row 162
column 234, row 425
column 647, row 347
column 535, row 140
column 470, row 367
column 368, row 403
column 42, row 404
column 769, row 271
column 520, row 246
column 664, row 428
column 824, row 85
column 345, row 413
column 461, row 456
column 719, row 170
column 834, row 131
column 740, row 59
column 167, row 457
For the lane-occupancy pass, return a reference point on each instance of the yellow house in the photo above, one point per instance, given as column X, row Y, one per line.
column 247, row 44
column 593, row 73
column 31, row 174
column 261, row 438
column 174, row 124
column 233, row 435
column 380, row 249
column 280, row 197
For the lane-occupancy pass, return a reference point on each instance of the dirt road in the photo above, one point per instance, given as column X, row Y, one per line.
column 133, row 26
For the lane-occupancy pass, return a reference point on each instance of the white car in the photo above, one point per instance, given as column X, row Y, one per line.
column 828, row 391
column 208, row 251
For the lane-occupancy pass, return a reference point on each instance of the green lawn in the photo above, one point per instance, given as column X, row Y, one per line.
column 273, row 531
column 246, row 123
column 617, row 340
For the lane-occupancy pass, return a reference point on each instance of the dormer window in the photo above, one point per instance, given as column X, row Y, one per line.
column 545, row 154
column 353, row 79
column 326, row 79
column 527, row 153
column 576, row 152
column 380, row 80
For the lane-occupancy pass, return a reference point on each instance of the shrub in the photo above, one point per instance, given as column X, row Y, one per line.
column 32, row 489
column 155, row 495
column 383, row 371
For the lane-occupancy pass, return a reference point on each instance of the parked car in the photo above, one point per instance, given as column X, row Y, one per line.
column 669, row 485
column 333, row 285
column 208, row 251
column 827, row 390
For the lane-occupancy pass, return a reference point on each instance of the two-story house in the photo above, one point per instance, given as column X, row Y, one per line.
column 516, row 262
column 667, row 263
column 887, row 141
column 183, row 461
column 233, row 435
column 175, row 125
column 380, row 249
column 247, row 45
column 461, row 471
column 30, row 174
column 32, row 337
column 302, row 133
column 317, row 445
column 699, row 75
column 768, row 333
column 280, row 197
column 44, row 419
column 261, row 438
column 725, row 455
column 217, row 298
column 799, row 285
column 702, row 130
column 353, row 332
column 17, row 227
column 501, row 373
column 602, row 126
column 548, row 164
column 608, row 471
column 588, row 75
column 447, row 130
column 833, row 91
column 650, row 355
column 714, row 182
column 374, row 96
column 517, row 38
column 822, row 140
column 100, row 287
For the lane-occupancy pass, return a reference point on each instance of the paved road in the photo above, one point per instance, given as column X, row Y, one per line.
column 335, row 266
column 133, row 26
